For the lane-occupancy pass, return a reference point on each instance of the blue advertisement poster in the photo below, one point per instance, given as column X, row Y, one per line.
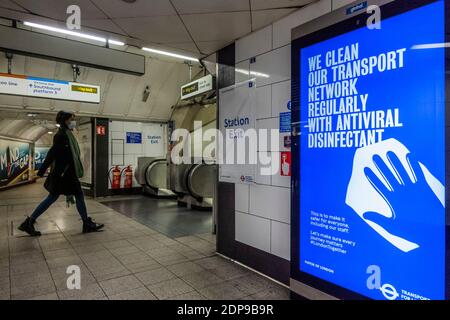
column 14, row 162
column 372, row 158
column 39, row 156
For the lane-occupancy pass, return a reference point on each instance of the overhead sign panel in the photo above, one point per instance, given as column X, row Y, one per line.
column 46, row 46
column 21, row 85
column 197, row 87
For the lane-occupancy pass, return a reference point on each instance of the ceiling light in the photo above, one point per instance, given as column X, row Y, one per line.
column 170, row 54
column 32, row 115
column 64, row 31
column 50, row 132
column 116, row 43
column 71, row 33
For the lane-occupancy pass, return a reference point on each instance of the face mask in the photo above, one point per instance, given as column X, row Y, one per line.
column 72, row 125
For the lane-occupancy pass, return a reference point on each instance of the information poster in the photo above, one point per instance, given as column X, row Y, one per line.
column 84, row 137
column 372, row 165
column 236, row 117
column 14, row 162
column 39, row 156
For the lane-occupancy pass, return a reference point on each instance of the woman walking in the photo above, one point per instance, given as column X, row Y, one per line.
column 63, row 179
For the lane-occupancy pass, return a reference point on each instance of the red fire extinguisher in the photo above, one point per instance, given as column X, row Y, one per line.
column 116, row 175
column 128, row 177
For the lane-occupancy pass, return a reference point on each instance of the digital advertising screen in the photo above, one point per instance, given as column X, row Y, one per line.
column 370, row 203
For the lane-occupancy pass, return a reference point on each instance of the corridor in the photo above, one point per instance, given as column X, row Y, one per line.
column 126, row 261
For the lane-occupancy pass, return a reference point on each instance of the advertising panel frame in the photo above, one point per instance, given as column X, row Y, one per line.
column 30, row 168
column 334, row 24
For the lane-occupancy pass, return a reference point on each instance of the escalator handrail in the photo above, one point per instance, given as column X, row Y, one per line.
column 188, row 177
column 149, row 167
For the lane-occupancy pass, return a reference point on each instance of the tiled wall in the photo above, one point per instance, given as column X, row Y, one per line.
column 263, row 210
column 124, row 154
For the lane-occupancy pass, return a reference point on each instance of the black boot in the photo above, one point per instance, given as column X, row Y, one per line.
column 91, row 226
column 28, row 227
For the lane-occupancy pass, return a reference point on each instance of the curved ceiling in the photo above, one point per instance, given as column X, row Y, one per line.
column 200, row 27
column 22, row 126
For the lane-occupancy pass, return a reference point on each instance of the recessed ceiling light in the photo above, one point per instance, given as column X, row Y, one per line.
column 32, row 115
column 116, row 43
column 72, row 33
column 171, row 54
column 50, row 132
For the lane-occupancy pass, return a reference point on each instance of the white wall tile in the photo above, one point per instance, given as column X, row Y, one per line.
column 254, row 44
column 282, row 29
column 281, row 95
column 132, row 127
column 117, row 160
column 281, row 240
column 260, row 178
column 242, row 71
column 118, row 135
column 274, row 65
column 133, row 148
column 268, row 166
column 116, row 126
column 241, row 200
column 253, row 231
column 281, row 181
column 341, row 3
column 268, row 124
column 130, row 159
column 263, row 204
column 117, row 148
column 263, row 102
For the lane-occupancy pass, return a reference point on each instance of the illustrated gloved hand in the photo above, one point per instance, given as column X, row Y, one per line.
column 410, row 200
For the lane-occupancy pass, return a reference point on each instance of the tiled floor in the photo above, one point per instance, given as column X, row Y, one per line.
column 126, row 261
column 163, row 215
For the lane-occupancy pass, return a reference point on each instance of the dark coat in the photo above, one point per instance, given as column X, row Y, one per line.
column 62, row 178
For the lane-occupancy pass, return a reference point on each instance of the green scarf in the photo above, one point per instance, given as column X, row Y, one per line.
column 75, row 148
